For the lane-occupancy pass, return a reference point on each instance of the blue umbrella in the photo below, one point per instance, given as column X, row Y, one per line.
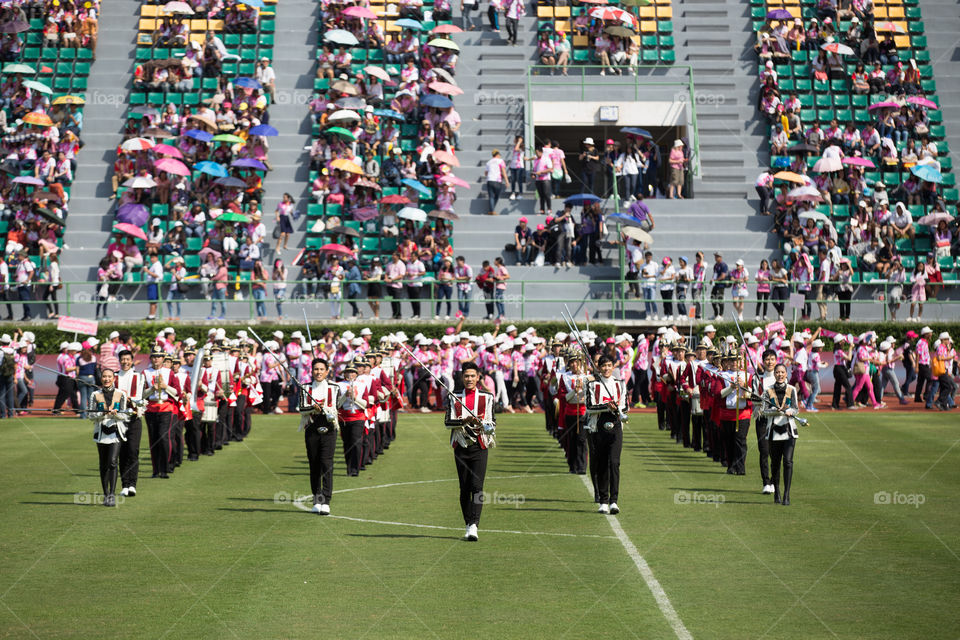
column 211, row 168
column 341, row 36
column 437, row 101
column 623, row 218
column 263, row 130
column 198, row 134
column 927, row 172
column 254, row 3
column 247, row 83
column 417, row 186
column 133, row 213
column 409, row 23
column 248, row 163
column 389, row 113
column 643, row 133
column 581, row 199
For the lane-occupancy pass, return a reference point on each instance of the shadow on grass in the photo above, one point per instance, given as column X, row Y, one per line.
column 397, row 535
column 255, row 510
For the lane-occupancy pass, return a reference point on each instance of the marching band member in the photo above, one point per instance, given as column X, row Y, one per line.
column 470, row 418
column 364, row 383
column 763, row 381
column 132, row 384
column 206, row 405
column 607, row 410
column 551, row 365
column 781, row 406
column 192, row 433
column 318, row 421
column 685, row 386
column 697, row 439
column 161, row 392
column 352, row 406
column 735, row 411
column 107, row 410
column 178, row 420
column 573, row 386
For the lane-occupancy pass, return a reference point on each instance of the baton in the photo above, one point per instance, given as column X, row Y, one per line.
column 450, row 393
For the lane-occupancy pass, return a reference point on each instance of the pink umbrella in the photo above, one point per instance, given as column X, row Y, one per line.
column 857, row 161
column 167, row 150
column 203, row 253
column 365, row 213
column 883, row 105
column 377, row 72
column 446, row 88
column 137, row 144
column 360, row 12
column 454, row 180
column 130, row 230
column 923, row 102
column 446, row 28
column 337, row 248
column 170, row 165
column 446, row 157
column 836, row 47
column 829, row 163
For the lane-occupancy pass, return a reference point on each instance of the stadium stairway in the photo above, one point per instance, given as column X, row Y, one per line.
column 88, row 225
column 942, row 21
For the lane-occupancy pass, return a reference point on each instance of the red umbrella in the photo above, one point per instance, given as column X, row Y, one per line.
column 171, row 165
column 337, row 248
column 395, row 199
column 130, row 230
column 167, row 150
column 446, row 157
column 446, row 88
column 611, row 13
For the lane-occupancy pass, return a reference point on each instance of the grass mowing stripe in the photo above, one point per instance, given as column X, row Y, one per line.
column 663, row 601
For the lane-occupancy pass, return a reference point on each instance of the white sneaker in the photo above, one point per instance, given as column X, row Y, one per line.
column 604, row 508
column 123, row 492
column 278, row 410
column 614, row 509
column 324, row 509
column 767, row 488
column 718, row 319
column 317, row 508
column 424, row 409
column 131, row 491
column 756, row 319
column 513, row 196
column 471, row 534
column 740, row 317
column 603, row 72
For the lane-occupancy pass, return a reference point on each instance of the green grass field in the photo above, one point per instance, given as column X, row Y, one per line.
column 212, row 554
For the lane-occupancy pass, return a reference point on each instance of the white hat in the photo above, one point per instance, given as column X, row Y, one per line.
column 757, row 330
column 796, row 337
column 212, row 331
column 356, row 342
column 464, row 335
column 424, row 341
column 64, row 345
column 739, row 263
column 400, row 336
column 752, row 339
column 944, row 336
column 529, row 347
column 661, row 330
column 448, row 339
column 561, row 336
column 190, row 342
column 296, row 335
column 168, row 330
column 7, row 350
column 278, row 334
column 113, row 334
column 366, row 331
column 817, row 343
column 384, row 339
column 884, row 345
column 29, row 337
column 730, row 340
column 6, row 339
column 75, row 346
column 588, row 141
column 510, row 328
column 221, row 334
column 925, row 331
column 518, row 342
column 92, row 342
column 678, row 143
column 350, row 335
column 839, row 338
column 709, row 329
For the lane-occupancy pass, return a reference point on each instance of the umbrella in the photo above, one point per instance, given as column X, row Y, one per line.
column 443, row 214
column 395, row 199
column 28, row 180
column 411, row 213
column 203, row 253
column 340, row 36
column 37, row 86
column 205, row 119
column 230, row 182
column 136, row 144
column 37, row 196
column 635, row 3
column 581, row 199
column 263, row 130
column 233, row 216
column 436, row 101
column 837, row 48
column 49, row 215
column 254, row 3
column 917, row 100
column 172, row 165
column 337, row 248
column 178, row 7
column 140, row 182
column 343, row 133
column 14, row 26
column 444, row 74
column 638, row 234
column 345, row 87
column 622, row 32
column 446, row 157
column 933, row 219
column 377, row 72
column 636, row 131
column 156, row 132
column 594, row 1
column 350, row 102
column 417, row 186
column 227, row 137
column 197, row 134
column 248, row 163
column 858, row 161
column 167, row 150
column 19, row 67
column 546, row 26
column 446, row 28
column 889, row 26
column 133, row 213
column 454, row 180
column 347, row 231
column 370, row 184
column 247, row 83
column 802, row 148
column 883, row 105
column 442, row 43
column 805, row 194
column 211, row 168
column 360, row 12
column 779, row 14
column 365, row 213
column 409, row 23
column 389, row 113
column 343, row 114
column 446, row 88
column 625, row 219
column 130, row 230
column 789, row 176
column 830, row 163
column 609, row 13
column 927, row 173
column 814, row 215
column 69, row 100
column 347, row 165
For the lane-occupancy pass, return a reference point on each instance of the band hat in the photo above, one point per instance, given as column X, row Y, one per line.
column 157, row 352
column 925, row 331
column 113, row 334
column 701, row 346
column 349, row 369
column 709, row 329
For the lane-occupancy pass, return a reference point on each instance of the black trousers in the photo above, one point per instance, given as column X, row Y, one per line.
column 223, row 421
column 471, row 469
column 130, row 454
column 592, row 461
column 844, row 298
column 237, row 416
column 924, row 380
column 576, row 437
column 781, row 452
column 380, row 430
column 193, row 435
column 352, row 435
column 549, row 413
column 208, row 432
column 158, row 433
column 684, row 415
column 109, row 454
column 736, row 436
column 697, row 438
column 414, row 293
column 176, row 443
column 320, row 448
column 369, row 447
column 716, row 299
column 763, row 446
column 607, row 445
column 841, row 382
column 641, row 386
column 66, row 390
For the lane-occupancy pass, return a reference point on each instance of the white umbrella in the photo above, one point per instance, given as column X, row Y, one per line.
column 410, row 213
column 808, row 193
column 815, row 215
column 140, row 182
column 343, row 114
column 178, row 7
column 828, row 164
column 637, row 234
column 136, row 144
